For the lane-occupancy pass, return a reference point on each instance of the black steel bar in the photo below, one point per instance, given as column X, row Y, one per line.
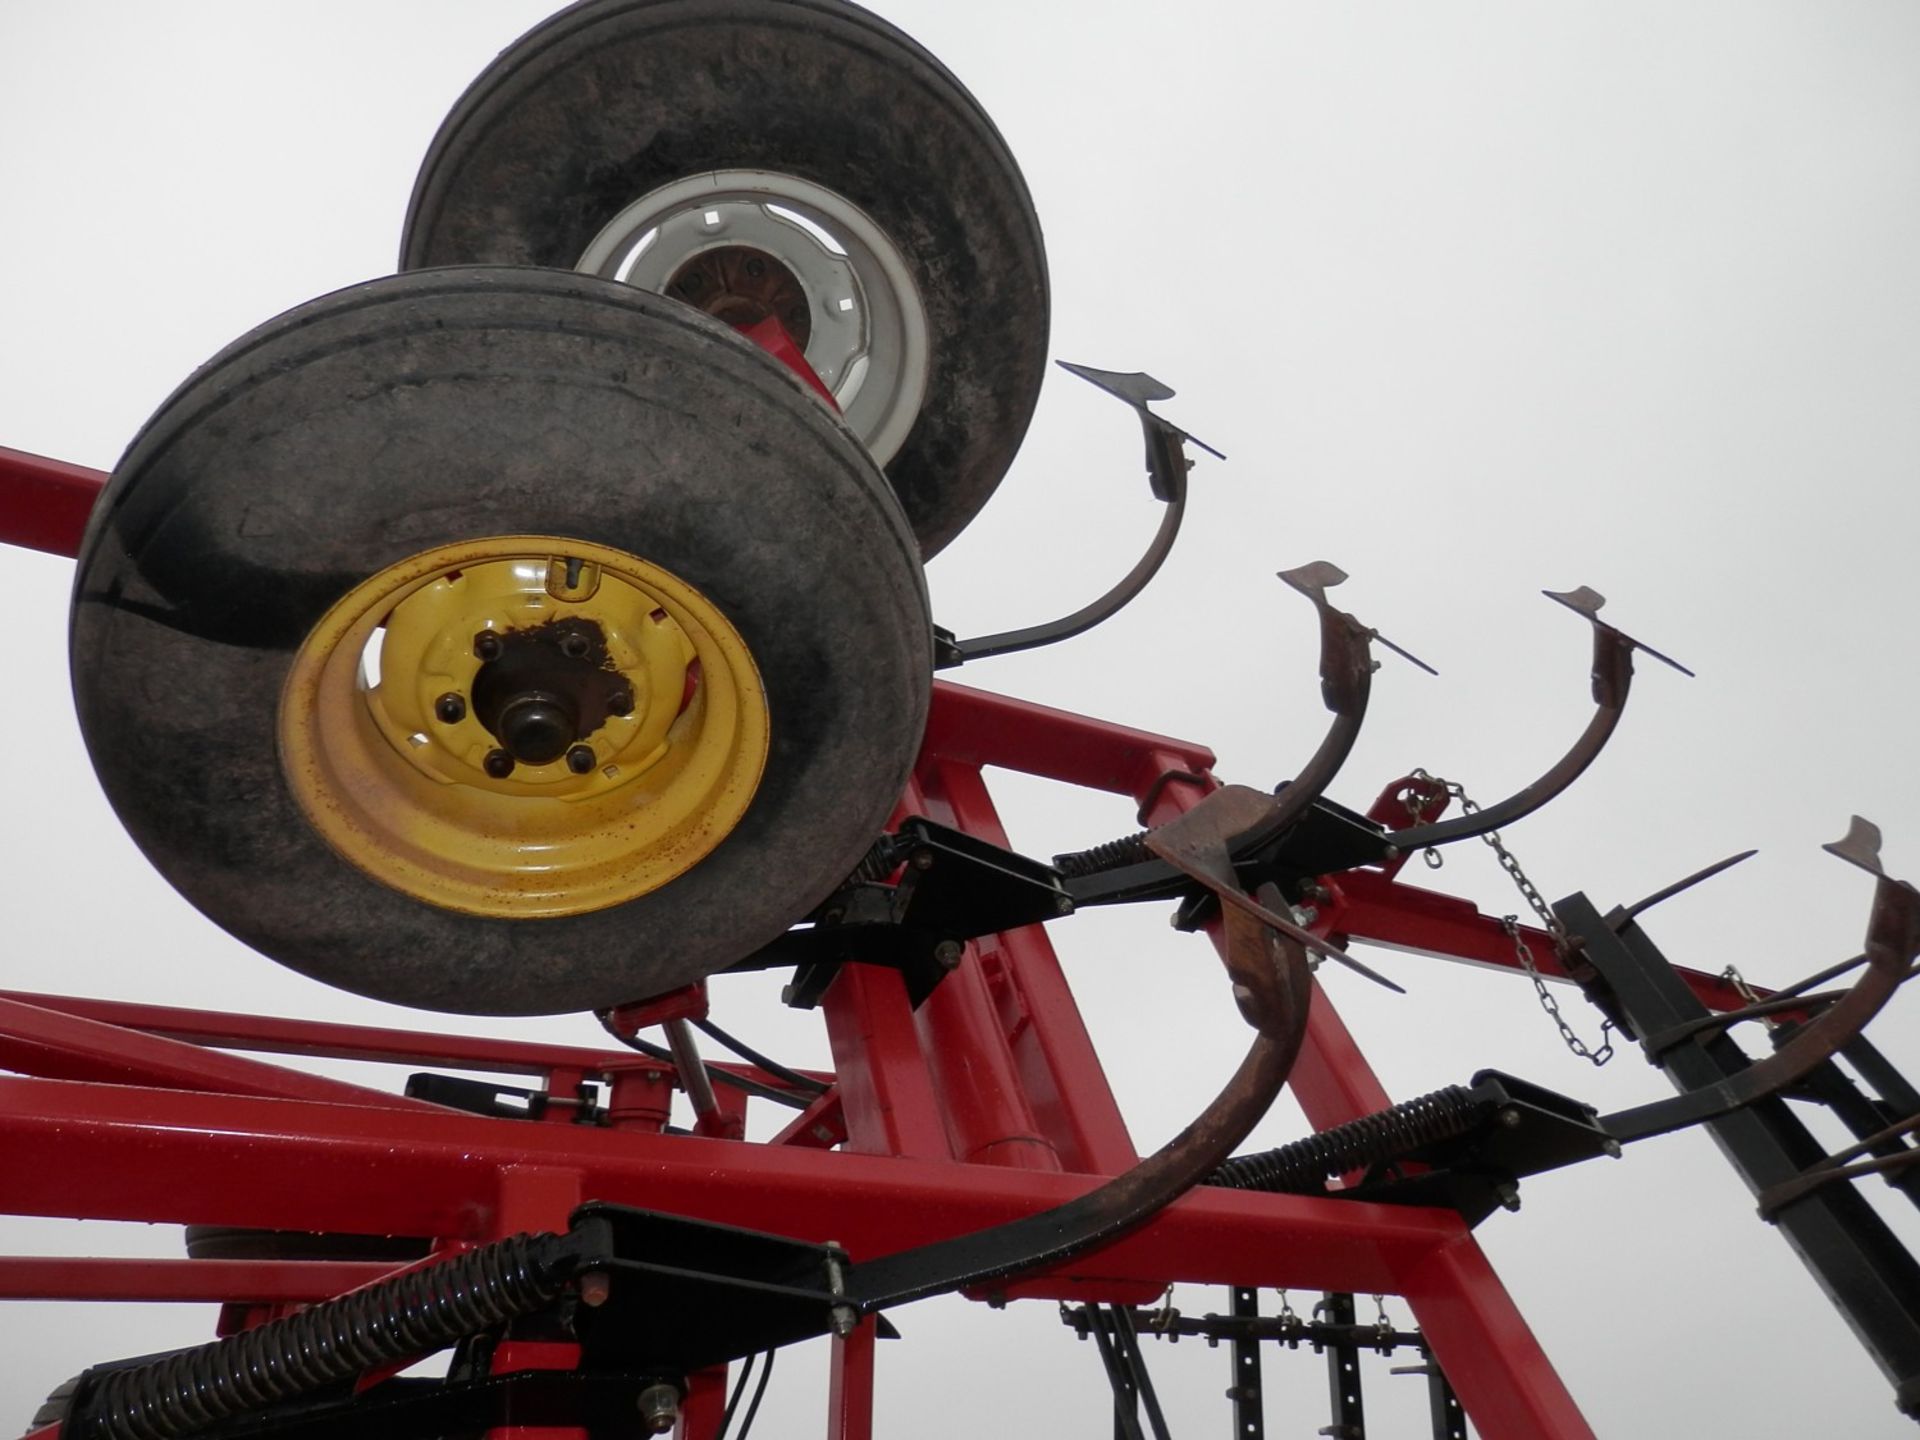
column 1249, row 1403
column 1858, row 1261
column 1127, row 1341
column 1879, row 1072
column 1443, row 1406
column 1868, row 1120
column 1343, row 1374
column 1126, row 1399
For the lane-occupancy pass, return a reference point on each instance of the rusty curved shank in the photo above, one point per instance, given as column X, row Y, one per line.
column 1893, row 943
column 1272, row 983
column 1612, row 680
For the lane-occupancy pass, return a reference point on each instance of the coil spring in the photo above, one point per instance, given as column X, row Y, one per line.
column 1302, row 1167
column 412, row 1314
column 1127, row 850
column 877, row 864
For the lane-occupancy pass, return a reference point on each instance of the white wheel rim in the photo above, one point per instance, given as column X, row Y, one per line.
column 869, row 329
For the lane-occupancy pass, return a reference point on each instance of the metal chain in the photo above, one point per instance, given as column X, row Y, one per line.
column 1598, row 1054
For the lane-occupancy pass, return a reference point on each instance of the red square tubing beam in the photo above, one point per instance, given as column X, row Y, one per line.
column 44, row 503
column 125, row 1153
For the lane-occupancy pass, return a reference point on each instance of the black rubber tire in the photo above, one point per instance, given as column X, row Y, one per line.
column 610, row 99
column 235, row 1242
column 427, row 409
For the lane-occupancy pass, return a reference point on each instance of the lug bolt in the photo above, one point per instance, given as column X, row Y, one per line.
column 574, row 646
column 620, row 703
column 756, row 267
column 580, row 759
column 486, row 646
column 499, row 764
column 450, row 709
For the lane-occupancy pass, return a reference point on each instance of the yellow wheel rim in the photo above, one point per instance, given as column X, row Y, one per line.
column 412, row 788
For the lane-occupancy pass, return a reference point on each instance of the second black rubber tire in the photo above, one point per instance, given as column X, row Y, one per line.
column 611, row 99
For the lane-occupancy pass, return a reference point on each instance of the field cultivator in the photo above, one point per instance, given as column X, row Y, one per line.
column 543, row 630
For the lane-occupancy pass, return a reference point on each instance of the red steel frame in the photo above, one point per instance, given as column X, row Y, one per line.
column 986, row 1104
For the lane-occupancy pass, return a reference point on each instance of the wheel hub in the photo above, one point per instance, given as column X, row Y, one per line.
column 742, row 286
column 838, row 283
column 524, row 726
column 548, row 686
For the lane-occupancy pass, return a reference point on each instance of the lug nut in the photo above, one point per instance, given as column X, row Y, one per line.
column 580, row 759
column 756, row 267
column 486, row 646
column 620, row 703
column 659, row 1409
column 574, row 646
column 499, row 764
column 450, row 709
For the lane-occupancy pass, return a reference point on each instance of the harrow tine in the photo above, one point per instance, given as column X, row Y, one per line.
column 1667, row 892
column 1612, row 680
column 1892, row 946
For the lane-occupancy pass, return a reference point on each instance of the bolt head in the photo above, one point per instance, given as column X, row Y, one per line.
column 756, row 267
column 486, row 646
column 1510, row 1118
column 498, row 764
column 575, row 646
column 580, row 759
column 450, row 709
column 947, row 954
column 620, row 703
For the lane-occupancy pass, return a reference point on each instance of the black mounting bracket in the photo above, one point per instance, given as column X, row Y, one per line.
column 950, row 887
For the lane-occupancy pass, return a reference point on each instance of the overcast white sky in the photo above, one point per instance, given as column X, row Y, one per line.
column 1478, row 298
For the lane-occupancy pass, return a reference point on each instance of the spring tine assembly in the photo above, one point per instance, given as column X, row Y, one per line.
column 1201, row 843
column 1167, row 466
column 1892, row 946
column 1612, row 680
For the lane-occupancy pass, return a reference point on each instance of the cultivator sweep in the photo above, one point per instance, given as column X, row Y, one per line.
column 602, row 666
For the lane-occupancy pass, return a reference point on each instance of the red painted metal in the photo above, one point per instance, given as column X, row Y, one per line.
column 689, row 1002
column 705, row 1404
column 850, row 1386
column 771, row 336
column 44, row 503
column 987, row 1105
column 258, row 1282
